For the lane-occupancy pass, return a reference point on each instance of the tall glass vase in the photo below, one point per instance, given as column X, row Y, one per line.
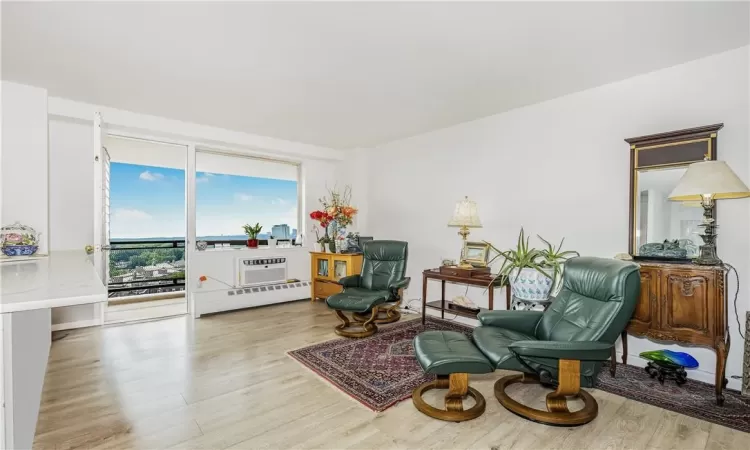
column 332, row 228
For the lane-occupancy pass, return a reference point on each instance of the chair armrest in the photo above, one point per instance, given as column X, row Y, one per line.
column 400, row 284
column 576, row 350
column 520, row 321
column 350, row 281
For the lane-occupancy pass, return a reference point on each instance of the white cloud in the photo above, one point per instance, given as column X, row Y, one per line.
column 278, row 201
column 201, row 179
column 150, row 176
column 209, row 174
column 135, row 223
column 243, row 197
column 130, row 214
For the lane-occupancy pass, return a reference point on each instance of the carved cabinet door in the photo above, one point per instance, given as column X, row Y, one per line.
column 686, row 305
column 646, row 315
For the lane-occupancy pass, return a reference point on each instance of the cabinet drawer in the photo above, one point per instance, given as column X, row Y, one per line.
column 325, row 290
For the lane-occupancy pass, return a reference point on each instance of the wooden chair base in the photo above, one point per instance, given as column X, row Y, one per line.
column 458, row 388
column 368, row 327
column 557, row 405
column 385, row 315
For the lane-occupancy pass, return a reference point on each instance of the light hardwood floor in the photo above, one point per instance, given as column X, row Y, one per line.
column 130, row 312
column 225, row 381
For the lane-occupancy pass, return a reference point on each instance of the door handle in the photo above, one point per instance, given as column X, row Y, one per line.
column 90, row 249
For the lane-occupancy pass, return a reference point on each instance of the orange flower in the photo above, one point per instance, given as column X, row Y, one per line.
column 349, row 211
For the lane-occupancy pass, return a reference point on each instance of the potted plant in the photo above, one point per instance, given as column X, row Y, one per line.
column 324, row 219
column 320, row 240
column 554, row 259
column 252, row 233
column 531, row 272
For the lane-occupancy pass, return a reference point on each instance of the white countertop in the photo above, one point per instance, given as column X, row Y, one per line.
column 64, row 278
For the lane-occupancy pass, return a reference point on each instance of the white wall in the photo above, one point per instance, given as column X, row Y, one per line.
column 560, row 169
column 24, row 158
column 355, row 171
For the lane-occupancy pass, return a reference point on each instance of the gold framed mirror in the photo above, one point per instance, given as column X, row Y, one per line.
column 661, row 229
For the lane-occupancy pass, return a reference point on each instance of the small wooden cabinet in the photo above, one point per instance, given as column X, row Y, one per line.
column 683, row 303
column 328, row 268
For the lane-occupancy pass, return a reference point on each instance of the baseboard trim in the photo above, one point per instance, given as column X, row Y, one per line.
column 74, row 325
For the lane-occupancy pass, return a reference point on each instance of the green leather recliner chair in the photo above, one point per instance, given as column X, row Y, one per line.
column 565, row 345
column 375, row 294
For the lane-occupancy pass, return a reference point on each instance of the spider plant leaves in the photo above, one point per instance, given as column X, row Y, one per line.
column 544, row 261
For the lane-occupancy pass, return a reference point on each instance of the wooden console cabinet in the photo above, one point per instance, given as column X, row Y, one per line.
column 328, row 268
column 686, row 304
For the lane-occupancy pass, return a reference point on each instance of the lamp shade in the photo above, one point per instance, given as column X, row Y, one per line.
column 466, row 215
column 713, row 178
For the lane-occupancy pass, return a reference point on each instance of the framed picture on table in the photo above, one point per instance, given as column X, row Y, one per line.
column 475, row 253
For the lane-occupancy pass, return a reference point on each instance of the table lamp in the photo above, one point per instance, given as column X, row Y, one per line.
column 464, row 217
column 705, row 182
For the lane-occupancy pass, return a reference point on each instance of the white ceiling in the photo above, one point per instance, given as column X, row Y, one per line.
column 349, row 75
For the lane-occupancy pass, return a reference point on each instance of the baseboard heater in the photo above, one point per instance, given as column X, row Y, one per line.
column 248, row 297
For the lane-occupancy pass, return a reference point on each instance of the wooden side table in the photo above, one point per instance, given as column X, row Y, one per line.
column 443, row 305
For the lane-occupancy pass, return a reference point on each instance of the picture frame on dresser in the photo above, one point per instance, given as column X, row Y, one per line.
column 680, row 302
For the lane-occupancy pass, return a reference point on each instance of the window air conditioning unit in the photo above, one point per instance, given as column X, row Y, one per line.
column 255, row 271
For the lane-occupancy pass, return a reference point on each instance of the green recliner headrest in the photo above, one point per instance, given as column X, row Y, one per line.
column 598, row 278
column 385, row 250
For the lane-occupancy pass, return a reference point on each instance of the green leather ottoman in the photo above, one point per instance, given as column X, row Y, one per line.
column 452, row 357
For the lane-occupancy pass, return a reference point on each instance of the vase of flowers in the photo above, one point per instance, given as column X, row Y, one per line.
column 335, row 215
column 252, row 233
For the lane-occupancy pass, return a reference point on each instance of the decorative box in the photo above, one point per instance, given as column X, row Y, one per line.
column 18, row 240
column 464, row 273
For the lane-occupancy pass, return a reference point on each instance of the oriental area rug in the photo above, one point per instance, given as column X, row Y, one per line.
column 381, row 370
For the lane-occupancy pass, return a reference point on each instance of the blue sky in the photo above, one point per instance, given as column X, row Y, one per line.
column 150, row 202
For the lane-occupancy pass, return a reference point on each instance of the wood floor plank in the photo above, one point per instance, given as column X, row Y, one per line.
column 225, row 381
column 678, row 431
column 723, row 438
column 601, row 432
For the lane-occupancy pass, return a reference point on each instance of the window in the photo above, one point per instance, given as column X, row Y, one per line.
column 232, row 191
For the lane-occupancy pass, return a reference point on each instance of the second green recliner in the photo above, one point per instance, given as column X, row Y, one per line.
column 381, row 281
column 565, row 345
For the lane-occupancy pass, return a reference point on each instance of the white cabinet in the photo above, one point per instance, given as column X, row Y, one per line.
column 28, row 292
column 26, row 337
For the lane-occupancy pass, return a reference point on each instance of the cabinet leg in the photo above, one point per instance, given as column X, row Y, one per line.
column 722, row 350
column 624, row 337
